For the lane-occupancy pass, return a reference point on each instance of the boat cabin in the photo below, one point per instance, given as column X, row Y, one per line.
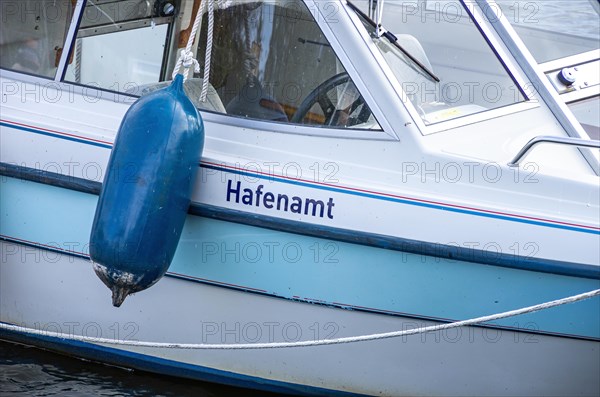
column 305, row 67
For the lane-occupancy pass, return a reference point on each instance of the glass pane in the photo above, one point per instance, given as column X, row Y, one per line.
column 439, row 38
column 119, row 60
column 588, row 115
column 32, row 34
column 554, row 29
column 271, row 61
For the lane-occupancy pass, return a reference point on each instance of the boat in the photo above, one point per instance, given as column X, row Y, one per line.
column 368, row 168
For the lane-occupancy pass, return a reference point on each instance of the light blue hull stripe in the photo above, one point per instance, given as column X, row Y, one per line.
column 319, row 270
column 512, row 260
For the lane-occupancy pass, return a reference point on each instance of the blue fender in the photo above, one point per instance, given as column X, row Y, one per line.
column 146, row 191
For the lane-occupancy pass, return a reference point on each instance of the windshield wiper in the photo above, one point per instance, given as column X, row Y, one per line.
column 394, row 40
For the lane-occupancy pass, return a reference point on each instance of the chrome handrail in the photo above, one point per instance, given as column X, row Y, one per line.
column 551, row 139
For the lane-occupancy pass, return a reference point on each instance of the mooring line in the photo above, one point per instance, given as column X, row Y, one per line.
column 322, row 342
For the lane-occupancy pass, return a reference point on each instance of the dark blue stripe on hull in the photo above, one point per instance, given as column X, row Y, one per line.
column 326, row 232
column 56, row 135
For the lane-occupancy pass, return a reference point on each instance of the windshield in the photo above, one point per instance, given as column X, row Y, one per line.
column 438, row 40
column 554, row 29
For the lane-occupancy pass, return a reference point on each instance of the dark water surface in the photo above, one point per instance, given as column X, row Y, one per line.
column 28, row 371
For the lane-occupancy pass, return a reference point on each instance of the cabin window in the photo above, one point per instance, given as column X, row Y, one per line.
column 431, row 40
column 271, row 61
column 554, row 29
column 586, row 112
column 100, row 60
column 120, row 45
column 564, row 38
column 32, row 35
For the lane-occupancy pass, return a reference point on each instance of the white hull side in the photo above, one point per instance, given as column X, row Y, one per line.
column 51, row 291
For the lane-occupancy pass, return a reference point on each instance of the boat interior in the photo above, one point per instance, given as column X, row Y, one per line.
column 272, row 61
column 269, row 58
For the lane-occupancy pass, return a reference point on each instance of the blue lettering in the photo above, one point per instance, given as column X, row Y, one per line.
column 236, row 191
column 258, row 197
column 247, row 197
column 314, row 203
column 296, row 206
column 330, row 205
column 280, row 198
column 268, row 200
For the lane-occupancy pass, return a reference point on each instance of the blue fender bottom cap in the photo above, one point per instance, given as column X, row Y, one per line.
column 146, row 191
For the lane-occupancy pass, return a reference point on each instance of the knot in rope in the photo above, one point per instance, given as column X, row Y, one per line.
column 188, row 60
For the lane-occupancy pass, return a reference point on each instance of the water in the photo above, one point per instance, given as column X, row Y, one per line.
column 32, row 372
column 538, row 24
column 573, row 17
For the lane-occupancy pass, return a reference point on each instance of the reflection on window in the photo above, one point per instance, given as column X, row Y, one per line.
column 270, row 61
column 554, row 29
column 442, row 37
column 32, row 33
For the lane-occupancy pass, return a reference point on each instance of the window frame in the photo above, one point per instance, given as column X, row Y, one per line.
column 551, row 67
column 384, row 133
column 67, row 45
column 131, row 27
column 70, row 40
column 515, row 73
column 545, row 90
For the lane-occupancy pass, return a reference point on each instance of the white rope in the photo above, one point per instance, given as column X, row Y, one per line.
column 186, row 58
column 208, row 54
column 350, row 339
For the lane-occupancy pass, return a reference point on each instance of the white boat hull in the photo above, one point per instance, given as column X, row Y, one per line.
column 473, row 361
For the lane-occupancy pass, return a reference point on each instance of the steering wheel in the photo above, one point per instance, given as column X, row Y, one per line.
column 332, row 114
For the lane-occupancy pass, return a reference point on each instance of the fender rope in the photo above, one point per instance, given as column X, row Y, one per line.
column 186, row 57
